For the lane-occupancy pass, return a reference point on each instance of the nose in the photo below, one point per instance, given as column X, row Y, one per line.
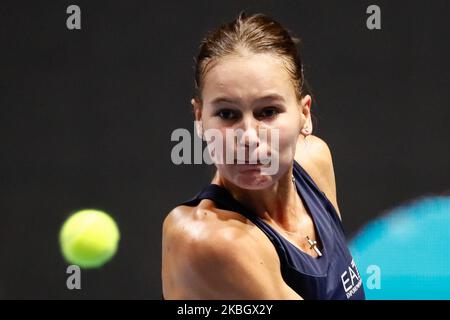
column 248, row 134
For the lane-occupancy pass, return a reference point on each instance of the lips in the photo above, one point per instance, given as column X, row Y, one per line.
column 247, row 162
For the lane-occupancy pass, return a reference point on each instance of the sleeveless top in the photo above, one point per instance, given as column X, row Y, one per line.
column 334, row 275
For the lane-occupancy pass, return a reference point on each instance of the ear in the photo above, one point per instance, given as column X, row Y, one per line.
column 305, row 107
column 197, row 106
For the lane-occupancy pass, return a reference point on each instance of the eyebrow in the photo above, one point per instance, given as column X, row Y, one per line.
column 269, row 97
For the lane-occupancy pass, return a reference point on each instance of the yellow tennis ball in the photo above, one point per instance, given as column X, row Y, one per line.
column 89, row 238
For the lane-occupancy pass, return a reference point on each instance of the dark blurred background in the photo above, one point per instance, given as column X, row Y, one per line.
column 86, row 118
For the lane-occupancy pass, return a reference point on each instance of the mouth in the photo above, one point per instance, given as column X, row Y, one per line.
column 252, row 164
column 248, row 162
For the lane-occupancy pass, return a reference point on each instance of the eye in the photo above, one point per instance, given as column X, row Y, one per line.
column 269, row 112
column 226, row 114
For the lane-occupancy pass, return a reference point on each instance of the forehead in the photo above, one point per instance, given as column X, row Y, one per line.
column 247, row 77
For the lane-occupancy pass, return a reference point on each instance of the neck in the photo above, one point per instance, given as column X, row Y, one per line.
column 278, row 204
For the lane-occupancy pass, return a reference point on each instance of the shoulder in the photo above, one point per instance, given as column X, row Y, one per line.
column 316, row 158
column 209, row 254
column 314, row 149
column 195, row 224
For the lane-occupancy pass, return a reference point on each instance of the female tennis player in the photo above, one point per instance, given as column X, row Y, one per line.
column 249, row 235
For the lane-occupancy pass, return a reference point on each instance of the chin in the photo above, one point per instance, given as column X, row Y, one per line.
column 252, row 180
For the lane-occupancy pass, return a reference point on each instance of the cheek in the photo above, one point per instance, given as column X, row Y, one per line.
column 287, row 143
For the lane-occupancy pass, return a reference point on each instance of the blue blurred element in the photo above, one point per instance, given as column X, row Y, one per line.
column 411, row 246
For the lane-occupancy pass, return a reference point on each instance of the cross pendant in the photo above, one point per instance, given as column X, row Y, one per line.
column 313, row 245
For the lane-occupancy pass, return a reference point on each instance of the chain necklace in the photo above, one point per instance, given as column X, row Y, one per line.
column 312, row 243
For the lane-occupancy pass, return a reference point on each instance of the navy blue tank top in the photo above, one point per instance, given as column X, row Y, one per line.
column 334, row 275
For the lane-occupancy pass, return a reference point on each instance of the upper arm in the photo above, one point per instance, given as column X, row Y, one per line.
column 236, row 269
column 315, row 156
column 224, row 264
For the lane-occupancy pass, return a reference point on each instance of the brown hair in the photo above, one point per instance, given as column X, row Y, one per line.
column 256, row 33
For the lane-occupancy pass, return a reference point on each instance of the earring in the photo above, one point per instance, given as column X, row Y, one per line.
column 306, row 131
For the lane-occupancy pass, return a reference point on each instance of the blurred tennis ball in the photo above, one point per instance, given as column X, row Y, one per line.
column 89, row 238
column 409, row 246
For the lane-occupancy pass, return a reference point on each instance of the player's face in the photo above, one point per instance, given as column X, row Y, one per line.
column 252, row 94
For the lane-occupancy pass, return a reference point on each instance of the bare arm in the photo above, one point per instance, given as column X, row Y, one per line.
column 221, row 263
